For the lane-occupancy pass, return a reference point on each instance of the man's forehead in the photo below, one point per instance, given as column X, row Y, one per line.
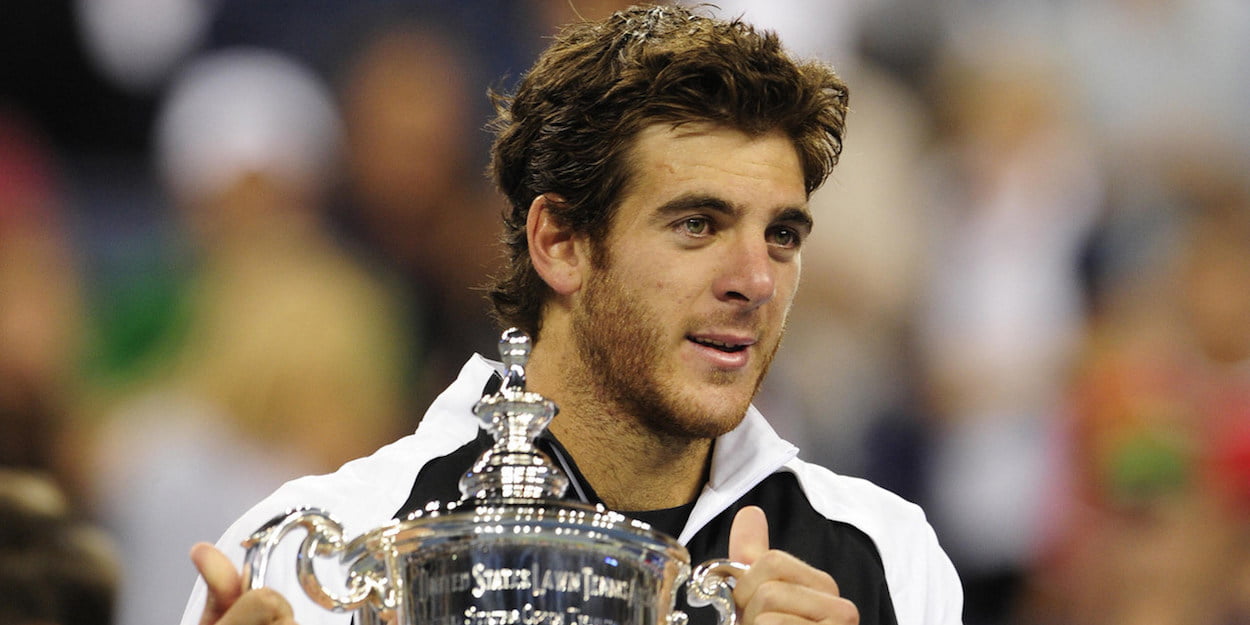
column 683, row 150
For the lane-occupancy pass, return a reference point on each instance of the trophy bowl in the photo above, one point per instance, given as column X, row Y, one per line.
column 510, row 552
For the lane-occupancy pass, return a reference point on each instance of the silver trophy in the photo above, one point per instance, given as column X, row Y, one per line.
column 510, row 552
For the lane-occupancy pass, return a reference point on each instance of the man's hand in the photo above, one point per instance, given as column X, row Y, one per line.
column 227, row 604
column 780, row 589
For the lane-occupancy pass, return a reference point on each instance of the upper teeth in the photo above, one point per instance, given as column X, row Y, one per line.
column 715, row 343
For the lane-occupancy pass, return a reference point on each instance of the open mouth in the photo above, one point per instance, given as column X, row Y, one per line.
column 728, row 348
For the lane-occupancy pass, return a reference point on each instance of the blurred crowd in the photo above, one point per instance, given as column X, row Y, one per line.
column 242, row 241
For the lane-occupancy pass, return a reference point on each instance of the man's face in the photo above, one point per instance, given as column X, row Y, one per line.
column 685, row 309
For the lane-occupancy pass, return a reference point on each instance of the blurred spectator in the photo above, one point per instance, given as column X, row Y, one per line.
column 1157, row 529
column 41, row 316
column 54, row 569
column 416, row 197
column 1013, row 195
column 290, row 362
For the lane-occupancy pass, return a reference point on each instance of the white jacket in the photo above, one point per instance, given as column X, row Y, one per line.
column 366, row 493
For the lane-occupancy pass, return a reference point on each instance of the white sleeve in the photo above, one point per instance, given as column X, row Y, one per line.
column 923, row 583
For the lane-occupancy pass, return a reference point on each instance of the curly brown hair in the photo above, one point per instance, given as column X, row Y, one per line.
column 568, row 128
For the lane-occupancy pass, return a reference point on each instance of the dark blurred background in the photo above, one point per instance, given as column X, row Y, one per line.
column 240, row 241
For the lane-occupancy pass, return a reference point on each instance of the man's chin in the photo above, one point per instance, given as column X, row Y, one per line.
column 706, row 420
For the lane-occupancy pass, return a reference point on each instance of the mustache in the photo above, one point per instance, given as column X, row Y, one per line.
column 749, row 323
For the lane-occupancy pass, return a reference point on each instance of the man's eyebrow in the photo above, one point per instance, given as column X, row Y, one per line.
column 798, row 216
column 705, row 201
column 694, row 201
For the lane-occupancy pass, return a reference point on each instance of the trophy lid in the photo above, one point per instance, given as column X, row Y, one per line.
column 514, row 468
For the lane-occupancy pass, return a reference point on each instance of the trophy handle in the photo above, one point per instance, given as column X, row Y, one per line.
column 712, row 583
column 325, row 538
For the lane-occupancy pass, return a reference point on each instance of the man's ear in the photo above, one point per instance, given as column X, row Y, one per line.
column 554, row 248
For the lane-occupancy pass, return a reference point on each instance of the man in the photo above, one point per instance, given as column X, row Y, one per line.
column 658, row 165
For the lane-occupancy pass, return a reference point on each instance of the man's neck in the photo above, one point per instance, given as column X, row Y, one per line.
column 629, row 466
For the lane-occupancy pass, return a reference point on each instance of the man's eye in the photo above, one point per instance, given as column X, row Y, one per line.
column 785, row 237
column 696, row 226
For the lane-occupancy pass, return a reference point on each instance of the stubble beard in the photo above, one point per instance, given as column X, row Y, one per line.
column 622, row 348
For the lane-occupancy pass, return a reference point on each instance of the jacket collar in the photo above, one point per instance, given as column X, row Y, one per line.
column 742, row 458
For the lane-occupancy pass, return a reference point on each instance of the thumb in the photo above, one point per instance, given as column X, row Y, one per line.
column 748, row 536
column 223, row 581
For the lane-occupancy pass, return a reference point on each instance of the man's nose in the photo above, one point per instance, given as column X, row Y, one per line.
column 748, row 275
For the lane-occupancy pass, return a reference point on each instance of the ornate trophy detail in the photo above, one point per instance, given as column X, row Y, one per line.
column 510, row 552
column 514, row 467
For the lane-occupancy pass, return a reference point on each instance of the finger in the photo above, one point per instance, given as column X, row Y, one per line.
column 777, row 565
column 776, row 570
column 782, row 602
column 748, row 536
column 262, row 606
column 223, row 581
